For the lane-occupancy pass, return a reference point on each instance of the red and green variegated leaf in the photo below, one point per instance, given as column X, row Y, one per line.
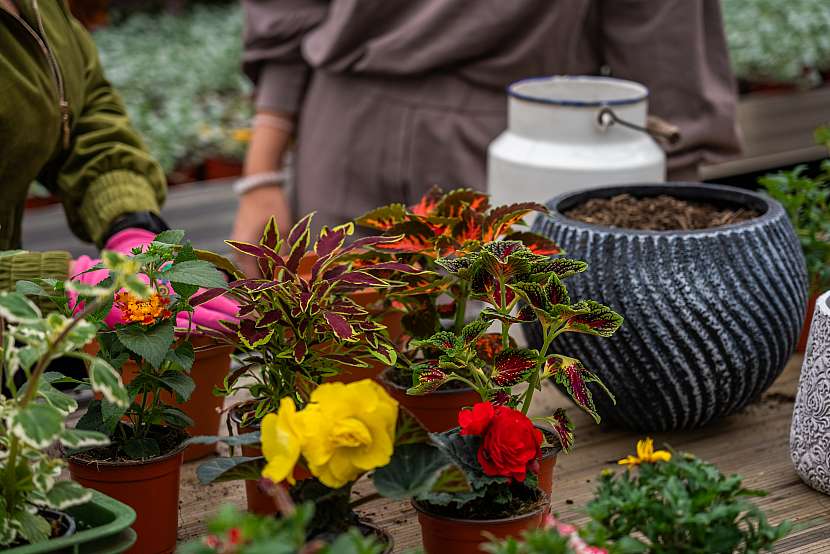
column 298, row 251
column 490, row 345
column 371, row 242
column 561, row 424
column 270, row 318
column 427, row 378
column 500, row 219
column 247, row 309
column 383, row 218
column 474, row 329
column 456, row 266
column 532, row 293
column 501, row 250
column 347, row 307
column 574, row 377
column 271, row 234
column 443, row 341
column 594, row 319
column 361, row 278
column 512, row 366
column 469, row 228
column 456, row 201
column 339, row 325
column 520, row 317
column 428, row 202
column 505, row 259
column 206, row 295
column 385, row 353
column 253, row 336
column 330, row 240
column 395, row 266
column 561, row 267
column 556, row 292
column 247, row 248
column 536, row 243
column 299, row 350
column 417, row 237
column 299, row 230
column 276, row 258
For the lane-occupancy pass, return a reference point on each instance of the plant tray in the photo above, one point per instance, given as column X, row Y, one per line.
column 103, row 528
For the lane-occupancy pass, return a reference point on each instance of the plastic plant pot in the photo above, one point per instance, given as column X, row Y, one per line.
column 102, row 527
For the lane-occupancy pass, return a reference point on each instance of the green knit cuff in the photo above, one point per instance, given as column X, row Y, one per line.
column 29, row 265
column 112, row 195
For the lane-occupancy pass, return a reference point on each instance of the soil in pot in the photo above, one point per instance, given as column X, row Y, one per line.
column 437, row 411
column 444, row 529
column 656, row 213
column 150, row 487
column 258, row 502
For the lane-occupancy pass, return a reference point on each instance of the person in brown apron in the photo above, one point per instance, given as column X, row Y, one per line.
column 386, row 98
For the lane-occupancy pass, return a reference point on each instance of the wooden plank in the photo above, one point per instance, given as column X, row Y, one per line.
column 753, row 443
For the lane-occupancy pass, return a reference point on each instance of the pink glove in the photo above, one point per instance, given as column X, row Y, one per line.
column 206, row 315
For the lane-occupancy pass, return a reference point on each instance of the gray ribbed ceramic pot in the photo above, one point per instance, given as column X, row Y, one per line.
column 711, row 316
column 810, row 431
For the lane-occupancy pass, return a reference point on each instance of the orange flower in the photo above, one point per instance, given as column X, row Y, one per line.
column 146, row 312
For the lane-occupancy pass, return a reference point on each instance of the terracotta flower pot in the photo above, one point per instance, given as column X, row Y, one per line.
column 204, row 408
column 546, row 467
column 441, row 534
column 808, row 320
column 150, row 487
column 437, row 411
column 258, row 502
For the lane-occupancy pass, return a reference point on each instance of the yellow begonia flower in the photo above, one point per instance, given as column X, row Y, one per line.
column 347, row 430
column 646, row 454
column 281, row 444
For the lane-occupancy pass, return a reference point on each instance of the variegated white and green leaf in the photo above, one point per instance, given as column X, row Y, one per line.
column 104, row 379
column 17, row 308
column 66, row 494
column 81, row 438
column 37, row 425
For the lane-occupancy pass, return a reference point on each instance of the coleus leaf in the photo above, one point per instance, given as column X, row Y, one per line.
column 361, row 278
column 456, row 201
column 512, row 366
column 473, row 330
column 499, row 220
column 561, row 424
column 595, row 319
column 469, row 228
column 332, row 239
column 251, row 335
column 271, row 234
column 207, row 295
column 428, row 202
column 556, row 292
column 383, row 218
column 488, row 346
column 456, row 266
column 300, row 229
column 247, row 248
column 574, row 377
column 562, row 267
column 427, row 378
column 443, row 341
column 417, row 237
column 536, row 243
column 532, row 293
column 339, row 325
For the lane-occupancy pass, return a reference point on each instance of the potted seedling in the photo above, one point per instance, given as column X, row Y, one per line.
column 807, row 202
column 36, row 508
column 299, row 329
column 147, row 434
column 440, row 225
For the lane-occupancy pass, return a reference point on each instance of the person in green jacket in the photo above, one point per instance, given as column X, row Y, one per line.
column 62, row 124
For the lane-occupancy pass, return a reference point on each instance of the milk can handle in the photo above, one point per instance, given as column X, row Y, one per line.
column 655, row 126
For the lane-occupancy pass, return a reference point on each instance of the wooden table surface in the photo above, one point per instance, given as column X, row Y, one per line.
column 753, row 443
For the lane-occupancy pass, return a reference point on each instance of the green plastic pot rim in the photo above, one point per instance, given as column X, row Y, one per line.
column 129, row 463
column 543, row 506
column 447, row 392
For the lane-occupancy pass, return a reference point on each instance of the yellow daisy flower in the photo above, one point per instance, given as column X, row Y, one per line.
column 646, row 454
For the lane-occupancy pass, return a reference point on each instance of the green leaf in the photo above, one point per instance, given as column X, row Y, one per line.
column 66, row 494
column 38, row 425
column 182, row 357
column 104, row 379
column 233, row 440
column 16, row 308
column 175, row 417
column 87, row 290
column 180, row 383
column 28, row 288
column 32, row 527
column 196, row 272
column 413, row 471
column 151, row 343
column 141, row 448
column 233, row 468
column 82, row 438
column 171, row 236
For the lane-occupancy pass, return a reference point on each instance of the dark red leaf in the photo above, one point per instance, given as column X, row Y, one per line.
column 339, row 325
column 246, row 248
column 253, row 336
column 271, row 234
column 360, row 278
column 513, row 366
column 299, row 229
column 563, row 428
column 330, row 240
column 206, row 295
column 600, row 320
column 274, row 316
column 299, row 351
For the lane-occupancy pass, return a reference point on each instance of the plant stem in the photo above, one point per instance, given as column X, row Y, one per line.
column 461, row 307
column 505, row 327
column 365, row 500
column 534, row 382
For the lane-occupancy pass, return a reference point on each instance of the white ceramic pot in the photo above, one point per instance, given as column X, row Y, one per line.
column 554, row 142
column 810, row 431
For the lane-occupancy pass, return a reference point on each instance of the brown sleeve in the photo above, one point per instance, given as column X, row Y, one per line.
column 272, row 57
column 677, row 48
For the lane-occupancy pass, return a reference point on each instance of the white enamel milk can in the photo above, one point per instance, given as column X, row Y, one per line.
column 568, row 133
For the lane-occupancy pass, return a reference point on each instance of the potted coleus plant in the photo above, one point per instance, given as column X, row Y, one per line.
column 147, row 434
column 442, row 224
column 806, row 200
column 343, row 432
column 33, row 412
column 299, row 329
